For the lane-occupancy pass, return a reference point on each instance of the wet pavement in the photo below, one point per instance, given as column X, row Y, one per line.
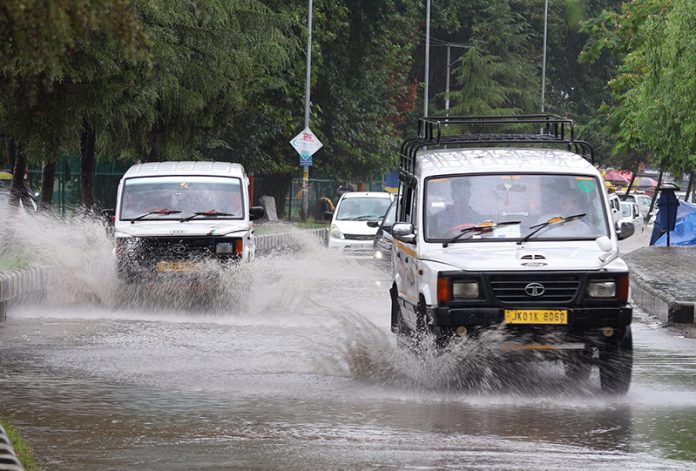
column 306, row 375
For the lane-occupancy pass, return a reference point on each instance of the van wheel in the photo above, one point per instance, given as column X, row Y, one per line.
column 616, row 364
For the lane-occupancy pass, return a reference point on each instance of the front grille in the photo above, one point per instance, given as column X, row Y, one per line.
column 519, row 289
column 358, row 237
column 178, row 248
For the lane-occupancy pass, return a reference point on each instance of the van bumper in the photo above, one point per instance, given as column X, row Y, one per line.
column 579, row 318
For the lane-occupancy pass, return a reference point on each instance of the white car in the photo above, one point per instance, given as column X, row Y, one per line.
column 631, row 213
column 353, row 225
column 643, row 201
column 172, row 218
column 518, row 239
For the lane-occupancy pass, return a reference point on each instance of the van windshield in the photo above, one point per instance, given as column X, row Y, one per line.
column 456, row 202
column 362, row 208
column 183, row 195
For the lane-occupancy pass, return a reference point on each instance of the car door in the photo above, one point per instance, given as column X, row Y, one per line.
column 404, row 255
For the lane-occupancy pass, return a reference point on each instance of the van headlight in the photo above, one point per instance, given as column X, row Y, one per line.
column 336, row 232
column 465, row 289
column 601, row 289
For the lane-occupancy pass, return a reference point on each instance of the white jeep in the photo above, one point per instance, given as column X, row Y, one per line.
column 504, row 230
column 172, row 218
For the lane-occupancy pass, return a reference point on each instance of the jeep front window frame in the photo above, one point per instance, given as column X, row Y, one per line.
column 596, row 213
column 185, row 193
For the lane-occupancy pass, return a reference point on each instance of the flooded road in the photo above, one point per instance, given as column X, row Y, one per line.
column 306, row 375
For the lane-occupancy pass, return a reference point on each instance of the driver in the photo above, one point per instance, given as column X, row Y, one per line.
column 455, row 216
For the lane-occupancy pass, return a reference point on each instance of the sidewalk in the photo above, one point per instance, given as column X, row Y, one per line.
column 663, row 282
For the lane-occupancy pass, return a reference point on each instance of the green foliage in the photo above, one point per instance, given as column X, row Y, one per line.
column 24, row 453
column 651, row 113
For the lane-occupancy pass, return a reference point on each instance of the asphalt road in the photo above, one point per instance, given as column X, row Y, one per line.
column 306, row 375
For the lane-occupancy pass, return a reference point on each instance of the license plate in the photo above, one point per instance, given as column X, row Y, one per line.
column 176, row 266
column 536, row 316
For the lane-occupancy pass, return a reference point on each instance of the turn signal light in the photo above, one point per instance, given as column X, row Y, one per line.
column 622, row 291
column 239, row 246
column 444, row 290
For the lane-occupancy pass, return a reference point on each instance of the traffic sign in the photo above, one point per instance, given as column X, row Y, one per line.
column 306, row 144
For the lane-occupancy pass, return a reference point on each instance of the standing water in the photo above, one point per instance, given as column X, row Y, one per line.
column 290, row 364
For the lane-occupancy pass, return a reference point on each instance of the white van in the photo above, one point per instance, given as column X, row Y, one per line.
column 519, row 237
column 355, row 222
column 172, row 217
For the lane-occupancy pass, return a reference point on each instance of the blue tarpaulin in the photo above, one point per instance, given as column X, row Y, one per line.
column 684, row 232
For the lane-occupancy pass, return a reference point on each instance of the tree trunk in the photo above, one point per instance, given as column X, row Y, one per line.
column 11, row 148
column 48, row 176
column 18, row 190
column 87, row 150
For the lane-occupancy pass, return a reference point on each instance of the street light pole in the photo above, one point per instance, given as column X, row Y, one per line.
column 447, row 83
column 543, row 63
column 427, row 56
column 308, row 77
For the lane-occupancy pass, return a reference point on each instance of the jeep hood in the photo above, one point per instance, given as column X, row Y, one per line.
column 355, row 227
column 580, row 256
column 176, row 228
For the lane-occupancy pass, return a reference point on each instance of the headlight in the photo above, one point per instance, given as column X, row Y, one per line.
column 225, row 247
column 601, row 289
column 465, row 289
column 336, row 232
column 378, row 254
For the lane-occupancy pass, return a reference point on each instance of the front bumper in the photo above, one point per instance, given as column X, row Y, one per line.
column 579, row 318
column 351, row 248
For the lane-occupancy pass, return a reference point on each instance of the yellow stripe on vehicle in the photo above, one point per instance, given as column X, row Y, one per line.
column 404, row 248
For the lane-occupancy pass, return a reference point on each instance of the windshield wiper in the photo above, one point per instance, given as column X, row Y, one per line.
column 553, row 220
column 162, row 211
column 212, row 212
column 366, row 217
column 480, row 227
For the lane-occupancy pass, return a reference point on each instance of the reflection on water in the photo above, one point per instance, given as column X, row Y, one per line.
column 302, row 373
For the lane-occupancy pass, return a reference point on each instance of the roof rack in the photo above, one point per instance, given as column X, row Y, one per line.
column 555, row 130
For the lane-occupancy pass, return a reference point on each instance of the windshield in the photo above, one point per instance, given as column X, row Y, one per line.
column 457, row 202
column 183, row 194
column 362, row 208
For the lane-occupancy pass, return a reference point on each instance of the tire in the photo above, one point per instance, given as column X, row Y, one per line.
column 578, row 366
column 616, row 364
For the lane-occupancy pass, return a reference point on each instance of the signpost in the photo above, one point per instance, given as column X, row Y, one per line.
column 306, row 144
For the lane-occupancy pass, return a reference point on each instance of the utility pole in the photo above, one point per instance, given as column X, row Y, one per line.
column 308, row 77
column 447, row 83
column 543, row 62
column 427, row 56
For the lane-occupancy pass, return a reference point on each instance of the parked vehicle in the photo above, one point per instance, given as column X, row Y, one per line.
column 631, row 213
column 172, row 218
column 520, row 238
column 382, row 244
column 643, row 201
column 615, row 208
column 355, row 221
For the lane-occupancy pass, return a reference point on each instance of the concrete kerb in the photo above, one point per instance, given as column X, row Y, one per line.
column 659, row 303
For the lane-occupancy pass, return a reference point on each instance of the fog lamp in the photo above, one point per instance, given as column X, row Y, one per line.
column 462, row 331
column 607, row 331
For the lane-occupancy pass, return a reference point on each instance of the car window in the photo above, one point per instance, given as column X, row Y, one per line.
column 362, row 208
column 456, row 202
column 626, row 210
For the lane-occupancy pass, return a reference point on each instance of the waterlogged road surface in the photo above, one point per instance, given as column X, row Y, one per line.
column 307, row 376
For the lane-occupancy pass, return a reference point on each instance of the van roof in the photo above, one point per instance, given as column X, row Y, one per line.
column 150, row 169
column 491, row 160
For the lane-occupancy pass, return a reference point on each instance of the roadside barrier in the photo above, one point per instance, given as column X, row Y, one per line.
column 20, row 284
column 8, row 457
column 269, row 243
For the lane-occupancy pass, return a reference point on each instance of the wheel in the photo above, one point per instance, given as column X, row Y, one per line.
column 616, row 364
column 578, row 365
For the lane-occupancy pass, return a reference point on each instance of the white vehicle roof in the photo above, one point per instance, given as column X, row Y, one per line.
column 492, row 160
column 219, row 169
column 368, row 194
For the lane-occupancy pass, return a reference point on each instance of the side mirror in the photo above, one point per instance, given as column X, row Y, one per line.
column 372, row 223
column 403, row 231
column 256, row 212
column 627, row 230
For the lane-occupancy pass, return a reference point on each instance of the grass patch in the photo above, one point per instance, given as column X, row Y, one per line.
column 24, row 453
